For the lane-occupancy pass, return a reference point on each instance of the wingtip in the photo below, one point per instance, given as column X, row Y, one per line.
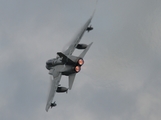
column 46, row 109
column 90, row 44
column 94, row 9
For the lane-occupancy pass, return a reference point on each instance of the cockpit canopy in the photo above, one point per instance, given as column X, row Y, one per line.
column 50, row 62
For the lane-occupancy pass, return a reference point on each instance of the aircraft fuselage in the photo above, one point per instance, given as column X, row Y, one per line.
column 66, row 65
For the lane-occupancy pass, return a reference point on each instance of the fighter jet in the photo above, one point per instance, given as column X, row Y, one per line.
column 66, row 64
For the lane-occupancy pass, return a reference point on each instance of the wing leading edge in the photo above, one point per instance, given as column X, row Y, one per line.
column 54, row 84
column 77, row 38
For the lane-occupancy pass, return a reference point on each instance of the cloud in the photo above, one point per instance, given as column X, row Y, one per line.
column 121, row 75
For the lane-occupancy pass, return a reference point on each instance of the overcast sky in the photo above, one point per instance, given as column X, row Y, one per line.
column 120, row 79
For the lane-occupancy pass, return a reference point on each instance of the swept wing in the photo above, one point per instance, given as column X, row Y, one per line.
column 54, row 85
column 77, row 38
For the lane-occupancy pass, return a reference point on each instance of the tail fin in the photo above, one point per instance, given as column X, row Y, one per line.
column 85, row 51
column 65, row 59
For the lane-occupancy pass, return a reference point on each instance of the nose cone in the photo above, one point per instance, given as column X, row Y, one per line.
column 49, row 64
column 47, row 67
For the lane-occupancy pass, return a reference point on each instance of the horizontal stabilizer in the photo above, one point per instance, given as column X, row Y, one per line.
column 71, row 80
column 85, row 51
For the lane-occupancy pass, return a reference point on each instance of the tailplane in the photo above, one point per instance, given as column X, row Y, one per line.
column 85, row 51
column 71, row 80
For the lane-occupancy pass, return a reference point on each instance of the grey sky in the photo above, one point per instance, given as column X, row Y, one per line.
column 121, row 76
